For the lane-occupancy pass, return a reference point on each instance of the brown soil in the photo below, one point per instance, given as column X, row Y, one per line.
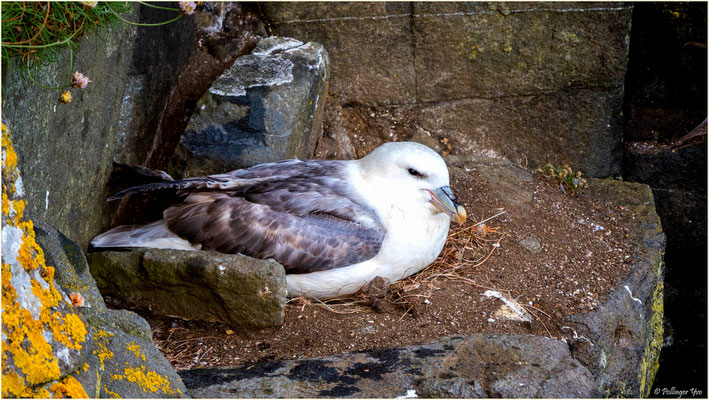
column 576, row 268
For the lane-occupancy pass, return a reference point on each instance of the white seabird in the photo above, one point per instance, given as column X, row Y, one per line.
column 334, row 225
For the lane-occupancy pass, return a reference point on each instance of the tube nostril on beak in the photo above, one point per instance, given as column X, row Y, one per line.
column 445, row 201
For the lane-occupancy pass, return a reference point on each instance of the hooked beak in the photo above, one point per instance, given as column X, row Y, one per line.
column 444, row 200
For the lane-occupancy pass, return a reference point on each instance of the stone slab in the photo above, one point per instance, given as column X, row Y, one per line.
column 202, row 285
column 459, row 367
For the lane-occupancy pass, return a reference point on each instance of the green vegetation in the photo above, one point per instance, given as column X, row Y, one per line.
column 36, row 33
column 569, row 182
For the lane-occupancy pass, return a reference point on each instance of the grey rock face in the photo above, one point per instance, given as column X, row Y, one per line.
column 496, row 49
column 369, row 44
column 266, row 107
column 559, row 127
column 75, row 141
column 67, row 149
column 71, row 271
column 621, row 341
column 473, row 366
column 201, row 285
column 119, row 347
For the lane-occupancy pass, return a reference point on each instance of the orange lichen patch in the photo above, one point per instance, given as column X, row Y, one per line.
column 135, row 348
column 70, row 388
column 77, row 300
column 149, row 381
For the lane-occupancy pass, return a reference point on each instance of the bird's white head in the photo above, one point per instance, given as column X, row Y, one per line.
column 411, row 176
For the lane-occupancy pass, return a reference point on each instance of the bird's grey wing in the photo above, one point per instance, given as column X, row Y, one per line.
column 232, row 181
column 301, row 243
column 304, row 214
column 309, row 188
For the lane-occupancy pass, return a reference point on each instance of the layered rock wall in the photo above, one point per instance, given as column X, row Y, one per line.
column 533, row 82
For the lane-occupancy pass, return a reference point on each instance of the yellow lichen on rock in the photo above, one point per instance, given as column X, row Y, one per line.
column 13, row 385
column 31, row 255
column 9, row 159
column 30, row 351
column 68, row 387
column 650, row 362
column 135, row 349
column 6, row 207
column 69, row 330
column 34, row 317
column 149, row 381
column 102, row 351
column 110, row 393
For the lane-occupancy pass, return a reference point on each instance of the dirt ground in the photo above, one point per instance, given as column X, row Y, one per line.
column 583, row 255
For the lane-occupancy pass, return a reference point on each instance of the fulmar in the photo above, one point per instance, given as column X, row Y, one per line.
column 333, row 224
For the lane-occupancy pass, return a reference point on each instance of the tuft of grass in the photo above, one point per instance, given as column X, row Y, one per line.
column 37, row 32
column 34, row 34
column 570, row 182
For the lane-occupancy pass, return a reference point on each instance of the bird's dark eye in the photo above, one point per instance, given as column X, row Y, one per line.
column 415, row 173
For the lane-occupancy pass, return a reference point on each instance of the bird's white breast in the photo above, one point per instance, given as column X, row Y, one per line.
column 414, row 238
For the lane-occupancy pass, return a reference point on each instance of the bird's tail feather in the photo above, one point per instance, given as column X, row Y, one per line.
column 154, row 235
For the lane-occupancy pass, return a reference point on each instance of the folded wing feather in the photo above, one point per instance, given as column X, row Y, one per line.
column 303, row 214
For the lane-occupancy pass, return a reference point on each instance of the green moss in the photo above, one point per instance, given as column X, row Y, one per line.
column 651, row 358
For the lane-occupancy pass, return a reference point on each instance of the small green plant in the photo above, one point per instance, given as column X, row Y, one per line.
column 569, row 182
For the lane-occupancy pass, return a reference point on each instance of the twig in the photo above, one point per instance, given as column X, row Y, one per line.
column 487, row 219
column 538, row 319
column 547, row 315
column 404, row 314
